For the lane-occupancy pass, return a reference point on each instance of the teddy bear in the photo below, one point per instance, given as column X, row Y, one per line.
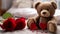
column 11, row 24
column 45, row 19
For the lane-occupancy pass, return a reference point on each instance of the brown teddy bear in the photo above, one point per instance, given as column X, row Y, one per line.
column 45, row 19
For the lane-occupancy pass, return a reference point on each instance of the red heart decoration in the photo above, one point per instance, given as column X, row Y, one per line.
column 43, row 26
column 33, row 26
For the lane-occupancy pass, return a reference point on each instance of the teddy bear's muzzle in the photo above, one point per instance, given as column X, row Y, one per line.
column 45, row 13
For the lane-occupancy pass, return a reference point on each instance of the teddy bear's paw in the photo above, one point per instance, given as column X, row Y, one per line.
column 54, row 22
column 33, row 26
column 29, row 22
column 51, row 27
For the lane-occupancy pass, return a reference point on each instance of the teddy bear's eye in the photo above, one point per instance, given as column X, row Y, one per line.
column 48, row 9
column 41, row 10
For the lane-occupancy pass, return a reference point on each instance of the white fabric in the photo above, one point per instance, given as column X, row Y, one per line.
column 23, row 12
column 57, row 13
column 27, row 31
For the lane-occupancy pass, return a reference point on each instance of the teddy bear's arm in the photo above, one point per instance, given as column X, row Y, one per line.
column 30, row 20
column 52, row 25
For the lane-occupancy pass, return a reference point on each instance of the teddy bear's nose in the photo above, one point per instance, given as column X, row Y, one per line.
column 44, row 12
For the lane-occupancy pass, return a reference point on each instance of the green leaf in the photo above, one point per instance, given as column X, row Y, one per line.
column 7, row 15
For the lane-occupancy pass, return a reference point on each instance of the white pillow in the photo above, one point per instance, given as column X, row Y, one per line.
column 23, row 12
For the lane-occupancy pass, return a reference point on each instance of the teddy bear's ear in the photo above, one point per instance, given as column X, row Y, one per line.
column 36, row 4
column 54, row 5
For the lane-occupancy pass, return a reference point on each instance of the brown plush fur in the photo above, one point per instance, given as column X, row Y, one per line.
column 49, row 8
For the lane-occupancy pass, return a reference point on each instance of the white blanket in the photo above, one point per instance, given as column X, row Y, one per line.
column 23, row 12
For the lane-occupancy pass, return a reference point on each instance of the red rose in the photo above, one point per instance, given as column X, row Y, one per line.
column 20, row 23
column 9, row 24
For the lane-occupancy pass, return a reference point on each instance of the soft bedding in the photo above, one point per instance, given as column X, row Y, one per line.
column 23, row 12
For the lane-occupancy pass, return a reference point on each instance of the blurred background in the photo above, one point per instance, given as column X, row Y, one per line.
column 7, row 4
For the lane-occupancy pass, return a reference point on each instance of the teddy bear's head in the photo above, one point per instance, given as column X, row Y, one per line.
column 45, row 9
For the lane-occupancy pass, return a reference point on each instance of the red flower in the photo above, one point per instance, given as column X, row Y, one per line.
column 9, row 24
column 20, row 23
column 33, row 26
